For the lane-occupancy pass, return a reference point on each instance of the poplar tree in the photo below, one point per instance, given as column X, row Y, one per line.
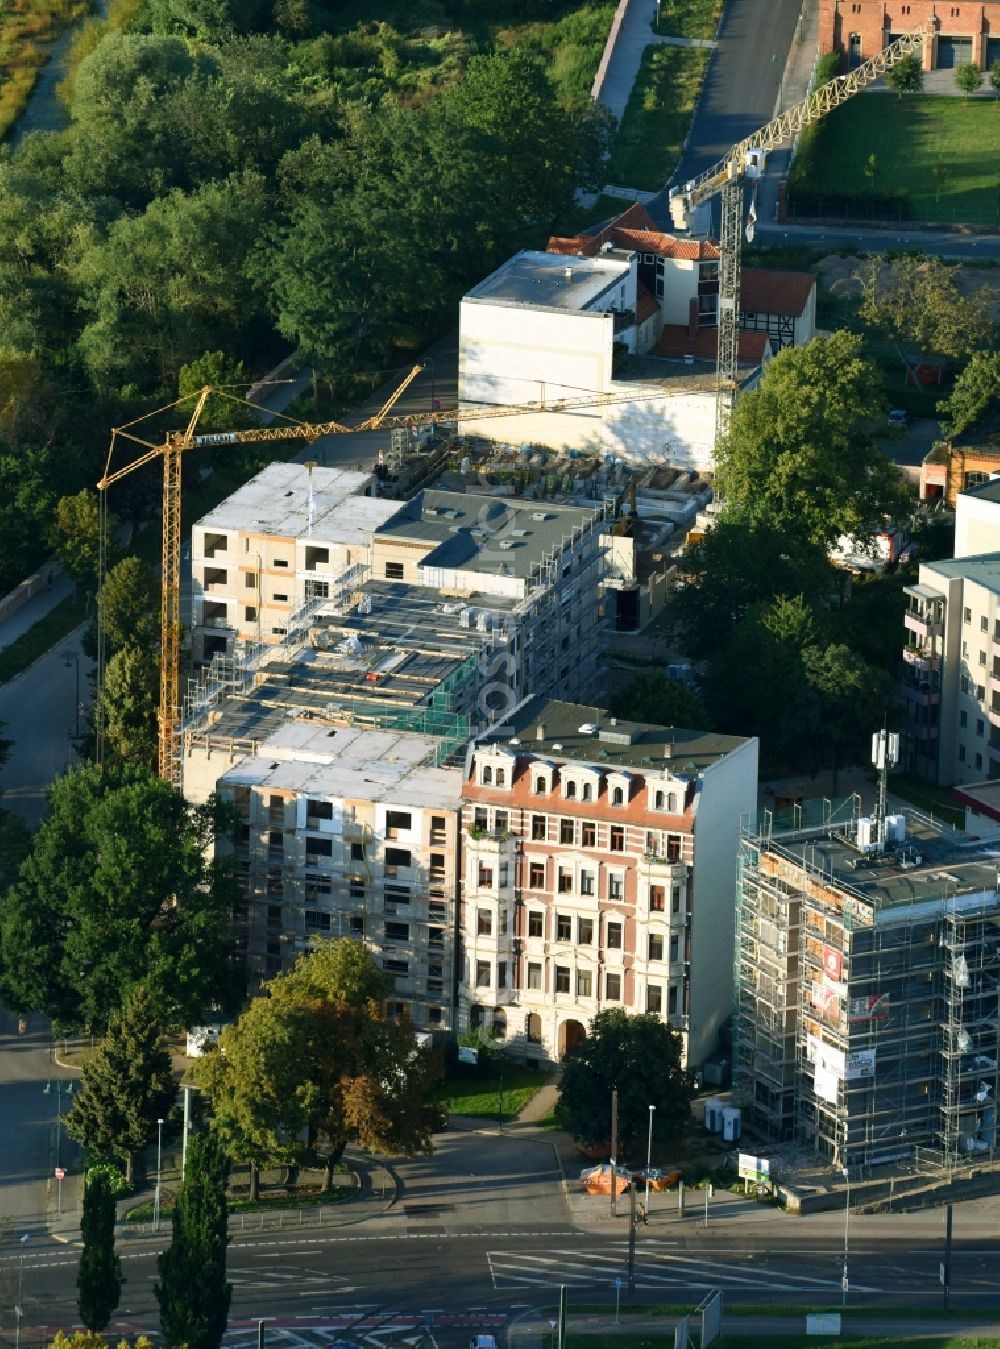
column 192, row 1292
column 99, row 1278
column 127, row 1087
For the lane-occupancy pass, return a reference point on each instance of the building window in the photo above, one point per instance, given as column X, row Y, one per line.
column 657, row 898
column 982, row 658
column 980, row 726
column 964, row 683
column 538, row 829
column 534, row 975
column 482, row 974
column 487, row 776
column 394, row 571
column 963, row 718
column 674, row 948
column 617, row 843
column 589, row 834
column 655, row 947
column 979, row 761
column 961, row 754
column 614, row 934
column 567, row 831
column 569, row 791
column 536, row 875
column 484, row 922
column 565, row 881
column 541, row 786
column 617, row 796
column 586, row 792
column 967, row 614
column 501, row 818
column 536, row 923
column 249, row 614
column 397, row 932
column 583, row 984
column 502, row 974
column 654, row 998
column 501, row 777
column 586, row 882
column 613, row 987
column 316, row 921
column 674, row 845
column 616, row 885
column 485, row 875
column 481, row 818
column 533, row 1027
column 675, row 899
column 562, row 978
column 672, row 1005
column 564, row 927
column 585, row 931
column 984, row 623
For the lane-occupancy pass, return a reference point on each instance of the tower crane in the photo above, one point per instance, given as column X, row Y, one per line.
column 745, row 161
column 171, row 451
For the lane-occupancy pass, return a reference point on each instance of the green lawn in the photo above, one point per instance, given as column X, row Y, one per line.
column 689, row 18
column 943, row 152
column 475, row 1090
column 658, row 116
column 611, row 1341
column 57, row 624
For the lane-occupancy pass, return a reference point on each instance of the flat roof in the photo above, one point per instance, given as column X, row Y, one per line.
column 607, row 741
column 934, row 864
column 983, row 569
column 351, row 763
column 550, row 281
column 276, row 501
column 473, row 532
column 983, row 797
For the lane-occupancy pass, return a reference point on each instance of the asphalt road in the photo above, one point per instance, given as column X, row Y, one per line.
column 941, row 244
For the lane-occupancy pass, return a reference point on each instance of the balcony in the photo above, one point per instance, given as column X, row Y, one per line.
column 994, row 715
column 920, row 657
column 921, row 695
column 924, row 625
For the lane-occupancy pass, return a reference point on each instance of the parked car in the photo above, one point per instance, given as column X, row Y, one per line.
column 659, row 1177
column 597, row 1179
column 900, row 418
column 483, row 1342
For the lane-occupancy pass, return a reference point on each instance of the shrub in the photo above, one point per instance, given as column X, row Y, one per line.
column 827, row 68
column 117, row 1183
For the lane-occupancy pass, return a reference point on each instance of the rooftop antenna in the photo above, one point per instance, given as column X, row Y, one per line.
column 311, row 499
column 885, row 755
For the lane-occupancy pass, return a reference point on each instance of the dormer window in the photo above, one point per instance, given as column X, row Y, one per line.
column 660, row 801
column 617, row 796
column 500, row 777
column 487, row 776
column 586, row 793
column 569, row 791
column 541, row 787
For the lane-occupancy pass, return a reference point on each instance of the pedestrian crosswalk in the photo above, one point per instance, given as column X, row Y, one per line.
column 658, row 1264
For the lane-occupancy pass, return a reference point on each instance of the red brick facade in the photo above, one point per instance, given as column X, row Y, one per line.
column 858, row 29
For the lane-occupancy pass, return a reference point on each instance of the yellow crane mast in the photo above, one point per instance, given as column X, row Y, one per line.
column 177, row 443
column 746, row 160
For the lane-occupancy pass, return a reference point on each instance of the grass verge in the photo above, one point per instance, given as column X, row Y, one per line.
column 658, row 116
column 26, row 30
column 41, row 636
column 143, row 1213
column 941, row 152
column 468, row 1090
column 689, row 18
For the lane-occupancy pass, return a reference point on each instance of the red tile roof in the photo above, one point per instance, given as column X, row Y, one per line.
column 635, row 230
column 675, row 342
column 766, row 292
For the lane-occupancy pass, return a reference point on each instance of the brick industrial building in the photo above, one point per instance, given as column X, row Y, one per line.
column 858, row 29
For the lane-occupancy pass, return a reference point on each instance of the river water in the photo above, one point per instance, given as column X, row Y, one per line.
column 44, row 111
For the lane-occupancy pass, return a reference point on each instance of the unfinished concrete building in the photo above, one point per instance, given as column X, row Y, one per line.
column 867, row 984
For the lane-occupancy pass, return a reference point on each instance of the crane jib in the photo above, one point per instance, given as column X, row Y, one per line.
column 218, row 438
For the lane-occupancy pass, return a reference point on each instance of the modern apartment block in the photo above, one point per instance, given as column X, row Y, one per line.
column 867, row 976
column 346, row 831
column 950, row 679
column 599, row 871
column 290, row 534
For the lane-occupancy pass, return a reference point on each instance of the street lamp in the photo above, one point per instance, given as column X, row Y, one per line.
column 19, row 1309
column 159, row 1165
column 649, row 1154
column 847, row 1220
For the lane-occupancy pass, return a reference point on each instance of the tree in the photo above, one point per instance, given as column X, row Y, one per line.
column 119, row 890
column 127, row 1086
column 75, row 535
column 854, row 700
column 906, row 76
column 129, row 704
column 642, row 1058
column 315, row 1064
column 871, row 169
column 99, row 1277
column 216, row 369
column 192, row 1291
column 976, row 393
column 736, row 567
column 995, row 78
column 129, row 606
column 968, row 78
column 917, row 300
column 801, row 456
column 653, row 697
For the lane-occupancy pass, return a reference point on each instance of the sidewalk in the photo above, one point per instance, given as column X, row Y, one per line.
column 794, row 88
column 35, row 608
column 635, row 36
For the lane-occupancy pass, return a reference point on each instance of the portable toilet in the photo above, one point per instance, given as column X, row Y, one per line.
column 713, row 1115
column 731, row 1124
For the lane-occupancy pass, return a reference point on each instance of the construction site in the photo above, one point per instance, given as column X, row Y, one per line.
column 867, row 988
